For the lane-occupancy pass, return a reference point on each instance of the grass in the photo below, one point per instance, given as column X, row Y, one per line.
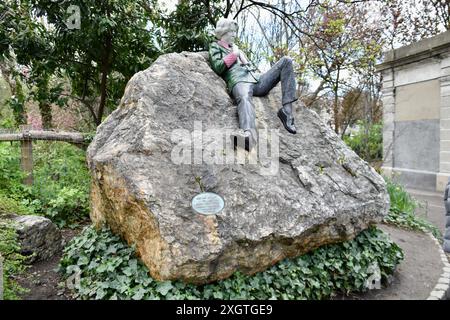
column 403, row 210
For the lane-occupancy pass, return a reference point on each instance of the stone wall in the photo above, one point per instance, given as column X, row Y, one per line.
column 416, row 116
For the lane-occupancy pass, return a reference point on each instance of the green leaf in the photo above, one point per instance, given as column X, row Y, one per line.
column 83, row 260
column 164, row 287
column 139, row 294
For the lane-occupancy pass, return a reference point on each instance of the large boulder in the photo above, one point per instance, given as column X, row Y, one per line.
column 40, row 239
column 320, row 193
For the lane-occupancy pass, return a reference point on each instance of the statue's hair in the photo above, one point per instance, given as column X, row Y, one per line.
column 223, row 26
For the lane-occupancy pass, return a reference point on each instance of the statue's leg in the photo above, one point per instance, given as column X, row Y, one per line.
column 242, row 93
column 282, row 71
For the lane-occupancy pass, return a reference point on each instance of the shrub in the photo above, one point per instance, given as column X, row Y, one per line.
column 367, row 146
column 9, row 204
column 61, row 182
column 402, row 210
column 109, row 269
column 11, row 175
column 13, row 260
column 68, row 206
column 60, row 189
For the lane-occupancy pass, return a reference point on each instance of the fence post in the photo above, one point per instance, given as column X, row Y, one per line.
column 26, row 161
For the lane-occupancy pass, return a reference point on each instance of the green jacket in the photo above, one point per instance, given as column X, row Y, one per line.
column 236, row 73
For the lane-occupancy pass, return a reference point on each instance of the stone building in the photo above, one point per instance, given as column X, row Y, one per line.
column 416, row 113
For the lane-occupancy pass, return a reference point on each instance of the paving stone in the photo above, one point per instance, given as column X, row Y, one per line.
column 438, row 294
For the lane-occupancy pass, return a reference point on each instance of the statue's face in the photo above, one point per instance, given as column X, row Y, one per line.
column 230, row 36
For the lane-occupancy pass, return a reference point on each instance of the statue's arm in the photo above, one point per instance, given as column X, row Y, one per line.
column 220, row 62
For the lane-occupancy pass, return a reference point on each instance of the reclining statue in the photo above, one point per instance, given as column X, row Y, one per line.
column 243, row 82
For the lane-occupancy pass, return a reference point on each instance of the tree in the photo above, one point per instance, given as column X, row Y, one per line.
column 345, row 43
column 406, row 22
column 187, row 27
column 8, row 67
column 330, row 40
column 442, row 9
column 114, row 40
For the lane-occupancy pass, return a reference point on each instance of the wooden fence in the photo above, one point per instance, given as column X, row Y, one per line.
column 26, row 138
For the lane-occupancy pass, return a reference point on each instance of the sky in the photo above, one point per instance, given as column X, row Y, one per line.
column 169, row 5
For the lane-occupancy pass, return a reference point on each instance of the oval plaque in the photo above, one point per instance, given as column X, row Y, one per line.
column 207, row 203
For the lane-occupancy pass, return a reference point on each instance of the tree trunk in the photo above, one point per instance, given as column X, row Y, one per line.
column 46, row 114
column 103, row 85
column 336, row 103
column 336, row 113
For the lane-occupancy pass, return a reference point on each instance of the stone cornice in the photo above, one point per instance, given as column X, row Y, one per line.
column 426, row 48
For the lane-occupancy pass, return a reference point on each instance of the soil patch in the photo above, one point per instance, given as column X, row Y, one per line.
column 42, row 280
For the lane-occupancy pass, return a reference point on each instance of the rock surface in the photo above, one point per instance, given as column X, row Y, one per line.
column 39, row 237
column 321, row 192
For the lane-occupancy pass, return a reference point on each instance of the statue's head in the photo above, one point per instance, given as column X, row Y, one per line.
column 226, row 30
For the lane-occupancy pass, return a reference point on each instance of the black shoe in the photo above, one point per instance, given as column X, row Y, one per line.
column 243, row 139
column 287, row 120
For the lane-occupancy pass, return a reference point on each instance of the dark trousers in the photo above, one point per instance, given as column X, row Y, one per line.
column 243, row 91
